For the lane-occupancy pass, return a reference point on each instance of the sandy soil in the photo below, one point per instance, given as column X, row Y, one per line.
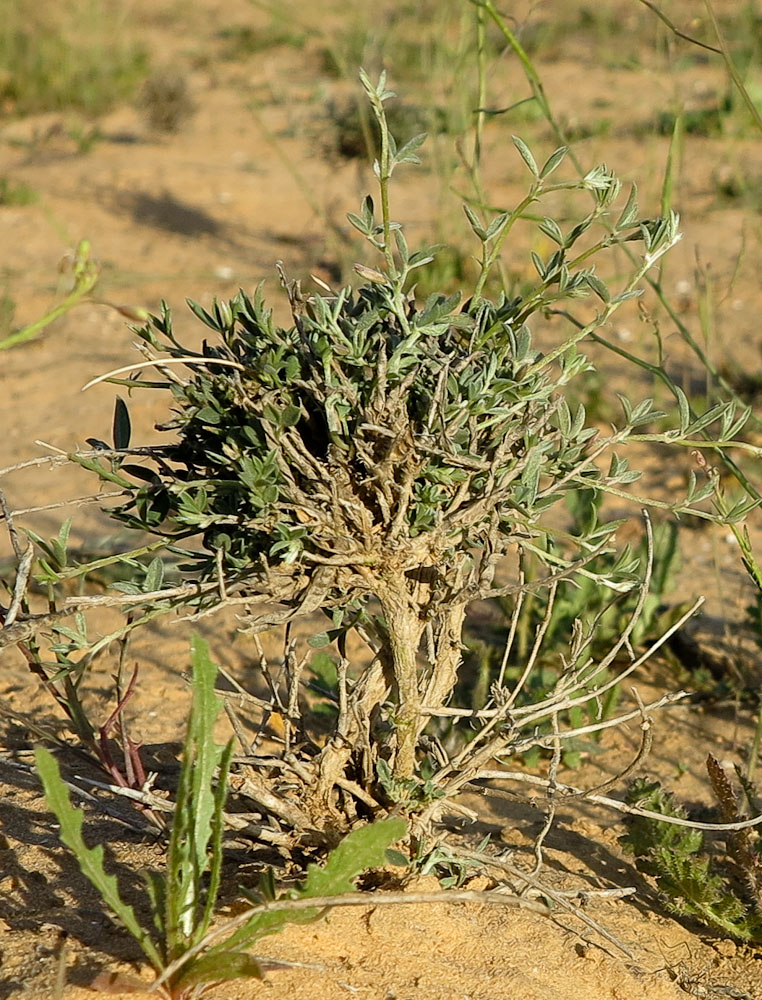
column 246, row 182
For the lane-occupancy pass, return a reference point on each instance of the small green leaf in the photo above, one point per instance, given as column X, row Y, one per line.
column 218, row 968
column 407, row 153
column 552, row 229
column 90, row 859
column 598, row 286
column 497, row 225
column 539, row 266
column 402, row 246
column 154, row 576
column 526, row 155
column 475, row 222
column 204, row 316
column 121, row 428
column 553, row 161
column 359, row 224
column 685, row 410
column 629, row 214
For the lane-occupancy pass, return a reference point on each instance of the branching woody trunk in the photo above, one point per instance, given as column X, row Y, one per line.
column 447, row 656
column 405, row 627
column 406, row 623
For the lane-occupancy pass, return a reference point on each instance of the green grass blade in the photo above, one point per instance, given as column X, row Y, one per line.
column 90, row 859
column 188, row 859
column 206, row 706
column 215, row 847
column 674, row 159
column 731, row 67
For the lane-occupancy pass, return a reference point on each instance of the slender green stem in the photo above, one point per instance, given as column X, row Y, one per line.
column 701, row 443
column 599, row 320
column 533, row 77
column 384, row 168
column 82, row 570
column 732, row 69
column 86, row 276
column 490, row 255
column 755, row 745
column 658, row 372
column 696, row 347
column 535, row 82
column 481, row 94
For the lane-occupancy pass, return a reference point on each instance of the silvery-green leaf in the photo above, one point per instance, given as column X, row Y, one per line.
column 538, row 264
column 475, row 222
column 526, row 155
column 358, row 223
column 553, row 161
column 552, row 229
column 598, row 286
column 685, row 410
column 629, row 214
column 406, row 154
column 402, row 247
column 497, row 225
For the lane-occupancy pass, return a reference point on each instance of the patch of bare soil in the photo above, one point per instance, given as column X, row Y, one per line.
column 50, row 916
column 200, row 214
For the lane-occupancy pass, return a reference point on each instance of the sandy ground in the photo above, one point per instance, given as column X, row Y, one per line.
column 245, row 182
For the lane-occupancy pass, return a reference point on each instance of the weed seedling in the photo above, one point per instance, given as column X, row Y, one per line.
column 182, row 901
column 726, row 898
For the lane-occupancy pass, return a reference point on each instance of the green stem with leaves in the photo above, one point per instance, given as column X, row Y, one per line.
column 86, row 273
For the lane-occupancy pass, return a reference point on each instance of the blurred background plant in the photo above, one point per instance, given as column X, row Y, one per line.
column 83, row 272
column 165, row 100
column 66, row 57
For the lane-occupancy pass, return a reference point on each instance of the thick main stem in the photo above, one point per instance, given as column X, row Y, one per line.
column 404, row 628
column 447, row 660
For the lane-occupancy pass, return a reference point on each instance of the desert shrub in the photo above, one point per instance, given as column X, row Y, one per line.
column 165, row 100
column 373, row 463
column 375, row 468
